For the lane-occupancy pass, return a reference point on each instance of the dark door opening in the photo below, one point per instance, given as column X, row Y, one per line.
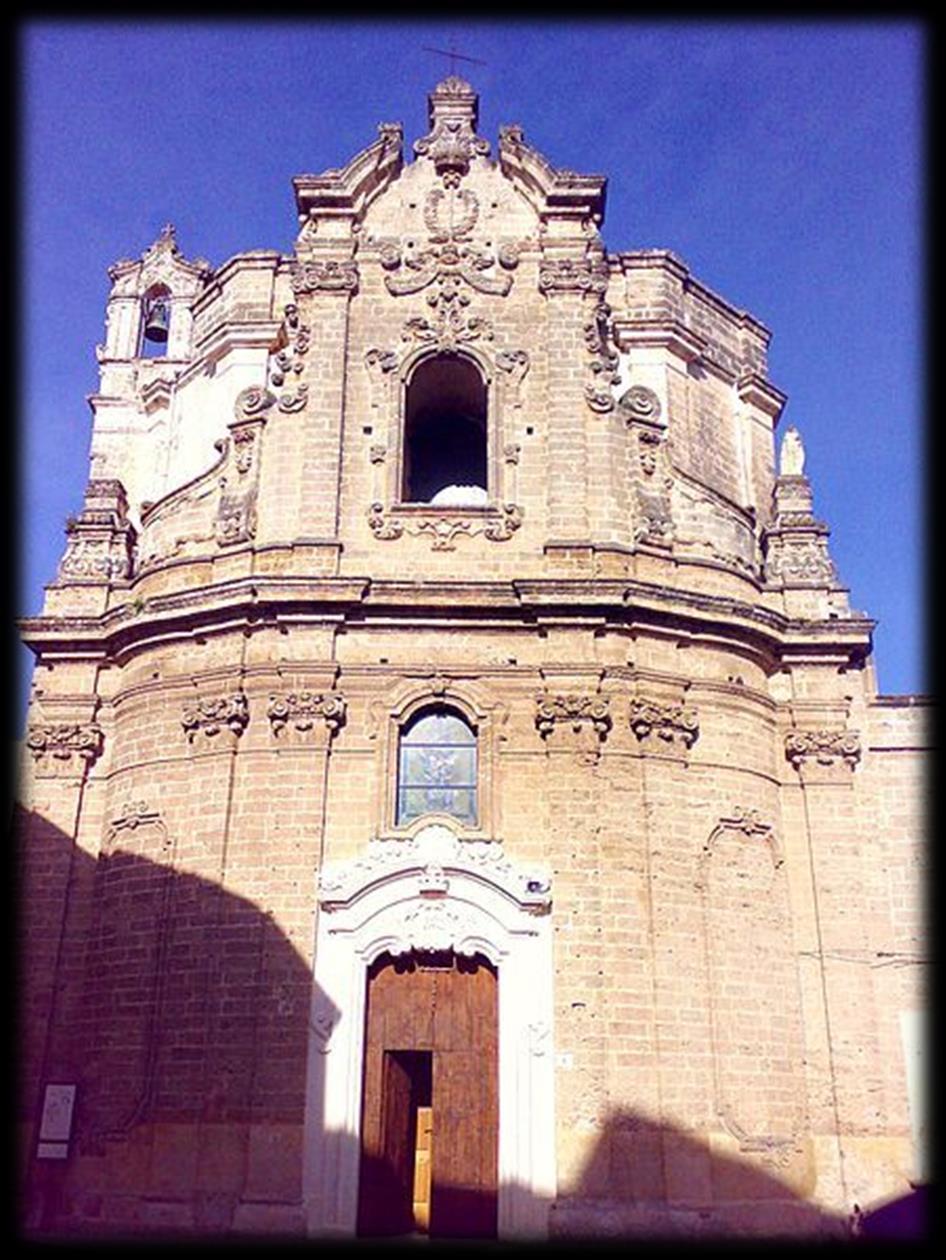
column 430, row 1111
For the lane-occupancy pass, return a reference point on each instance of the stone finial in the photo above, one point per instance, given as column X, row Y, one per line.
column 791, row 459
column 452, row 140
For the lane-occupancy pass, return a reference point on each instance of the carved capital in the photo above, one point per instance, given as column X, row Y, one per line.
column 304, row 710
column 572, row 275
column 326, row 276
column 671, row 724
column 823, row 747
column 64, row 746
column 208, row 717
column 573, row 711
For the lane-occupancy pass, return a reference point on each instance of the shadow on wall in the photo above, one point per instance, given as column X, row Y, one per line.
column 181, row 1013
column 644, row 1179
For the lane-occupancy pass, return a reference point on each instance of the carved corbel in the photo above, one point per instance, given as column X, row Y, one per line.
column 656, row 723
column 208, row 717
column 304, row 711
column 64, row 748
column 828, row 754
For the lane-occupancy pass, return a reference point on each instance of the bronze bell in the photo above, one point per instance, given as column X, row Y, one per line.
column 157, row 320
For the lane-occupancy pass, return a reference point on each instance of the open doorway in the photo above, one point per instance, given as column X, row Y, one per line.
column 430, row 1113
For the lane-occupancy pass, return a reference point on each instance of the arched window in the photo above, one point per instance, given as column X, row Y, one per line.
column 437, row 768
column 445, row 433
column 155, row 321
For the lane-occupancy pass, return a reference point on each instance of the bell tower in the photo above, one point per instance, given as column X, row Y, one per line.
column 149, row 326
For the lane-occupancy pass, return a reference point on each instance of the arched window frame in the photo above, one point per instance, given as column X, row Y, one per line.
column 465, row 744
column 390, row 516
column 483, row 719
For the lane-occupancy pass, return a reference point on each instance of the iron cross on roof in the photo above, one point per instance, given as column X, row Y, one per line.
column 453, row 55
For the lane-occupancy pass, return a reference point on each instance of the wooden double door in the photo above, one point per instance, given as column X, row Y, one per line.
column 430, row 1110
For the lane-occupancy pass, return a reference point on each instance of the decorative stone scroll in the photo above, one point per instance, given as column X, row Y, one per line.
column 327, row 276
column 236, row 510
column 433, row 854
column 64, row 746
column 573, row 711
column 572, row 275
column 650, row 474
column 673, row 724
column 288, row 362
column 304, row 710
column 208, row 717
column 604, row 361
column 825, row 747
column 444, row 526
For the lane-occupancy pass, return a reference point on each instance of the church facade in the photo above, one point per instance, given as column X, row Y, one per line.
column 455, row 795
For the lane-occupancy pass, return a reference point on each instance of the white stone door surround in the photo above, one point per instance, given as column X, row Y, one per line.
column 433, row 891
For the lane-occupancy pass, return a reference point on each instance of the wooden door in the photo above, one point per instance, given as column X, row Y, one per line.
column 430, row 1053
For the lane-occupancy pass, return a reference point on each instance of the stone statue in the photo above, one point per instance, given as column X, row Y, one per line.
column 791, row 460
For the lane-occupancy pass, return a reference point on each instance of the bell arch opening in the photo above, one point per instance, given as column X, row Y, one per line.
column 445, row 434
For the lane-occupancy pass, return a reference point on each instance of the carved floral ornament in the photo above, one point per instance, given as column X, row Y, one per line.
column 324, row 275
column 208, row 717
column 288, row 362
column 62, row 741
column 443, row 528
column 303, row 710
column 670, row 723
column 824, row 747
column 430, row 858
column 574, row 711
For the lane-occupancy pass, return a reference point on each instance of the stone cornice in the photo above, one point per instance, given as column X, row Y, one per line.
column 245, row 603
column 549, row 190
column 349, row 190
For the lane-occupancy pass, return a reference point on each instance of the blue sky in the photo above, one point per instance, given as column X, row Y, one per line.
column 779, row 159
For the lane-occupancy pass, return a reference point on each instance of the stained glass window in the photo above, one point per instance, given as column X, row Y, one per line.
column 437, row 768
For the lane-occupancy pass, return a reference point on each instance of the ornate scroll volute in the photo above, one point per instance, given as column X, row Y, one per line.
column 663, row 726
column 573, row 722
column 303, row 716
column 649, row 470
column 824, row 755
column 64, row 749
column 287, row 361
column 239, row 481
column 100, row 540
column 209, row 722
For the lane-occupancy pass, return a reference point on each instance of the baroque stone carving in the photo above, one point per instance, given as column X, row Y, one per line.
column 640, row 403
column 604, row 361
column 324, row 1021
column 825, row 747
column 574, row 711
column 452, row 141
column 434, row 853
column 671, row 723
column 210, row 716
column 303, row 709
column 450, row 257
column 326, row 275
column 288, row 362
column 64, row 742
column 444, row 529
column 572, row 275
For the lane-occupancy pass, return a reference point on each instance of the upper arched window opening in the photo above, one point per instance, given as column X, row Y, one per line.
column 437, row 767
column 445, row 433
column 155, row 321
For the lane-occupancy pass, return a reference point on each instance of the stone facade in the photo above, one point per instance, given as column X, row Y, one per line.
column 698, row 843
